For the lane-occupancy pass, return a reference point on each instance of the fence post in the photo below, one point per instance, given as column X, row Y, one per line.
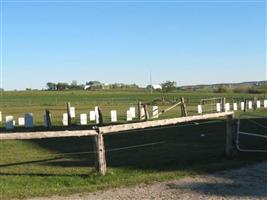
column 183, row 108
column 48, row 118
column 246, row 105
column 139, row 110
column 101, row 119
column 255, row 103
column 146, row 112
column 100, row 157
column 230, row 136
column 68, row 112
column 223, row 104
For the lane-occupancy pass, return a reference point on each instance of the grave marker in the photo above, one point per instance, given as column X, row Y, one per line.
column 242, row 105
column 92, row 116
column 96, row 115
column 132, row 109
column 218, row 107
column 235, row 106
column 9, row 122
column 1, row 118
column 265, row 103
column 65, row 119
column 72, row 112
column 113, row 116
column 21, row 121
column 28, row 120
column 155, row 110
column 227, row 107
column 83, row 119
column 258, row 104
column 129, row 115
column 199, row 109
column 250, row 105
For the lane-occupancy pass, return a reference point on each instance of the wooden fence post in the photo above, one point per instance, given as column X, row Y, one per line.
column 139, row 110
column 230, row 136
column 68, row 112
column 255, row 103
column 223, row 104
column 146, row 112
column 100, row 157
column 246, row 105
column 48, row 119
column 183, row 108
column 101, row 118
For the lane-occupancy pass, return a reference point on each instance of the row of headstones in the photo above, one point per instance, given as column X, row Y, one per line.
column 94, row 115
column 235, row 106
column 28, row 120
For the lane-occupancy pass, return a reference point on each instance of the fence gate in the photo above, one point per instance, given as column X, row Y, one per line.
column 252, row 133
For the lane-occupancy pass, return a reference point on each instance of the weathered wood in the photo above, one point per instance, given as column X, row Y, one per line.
column 46, row 134
column 48, row 119
column 139, row 110
column 100, row 161
column 255, row 103
column 223, row 104
column 68, row 112
column 146, row 112
column 229, row 146
column 165, row 122
column 246, row 105
column 100, row 114
column 183, row 108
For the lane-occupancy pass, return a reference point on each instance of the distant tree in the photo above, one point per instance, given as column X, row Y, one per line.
column 169, row 86
column 221, row 89
column 62, row 86
column 51, row 86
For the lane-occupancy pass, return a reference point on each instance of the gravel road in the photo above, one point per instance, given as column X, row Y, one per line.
column 245, row 183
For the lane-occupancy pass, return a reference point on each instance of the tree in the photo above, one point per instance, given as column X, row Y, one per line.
column 51, row 86
column 169, row 86
column 62, row 86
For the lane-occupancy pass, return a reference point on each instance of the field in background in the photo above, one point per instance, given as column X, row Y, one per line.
column 19, row 103
column 66, row 165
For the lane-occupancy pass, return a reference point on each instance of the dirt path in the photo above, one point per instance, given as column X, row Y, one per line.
column 245, row 183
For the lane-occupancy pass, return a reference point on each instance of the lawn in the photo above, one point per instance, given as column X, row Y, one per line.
column 63, row 166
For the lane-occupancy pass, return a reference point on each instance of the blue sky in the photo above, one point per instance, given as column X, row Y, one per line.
column 193, row 42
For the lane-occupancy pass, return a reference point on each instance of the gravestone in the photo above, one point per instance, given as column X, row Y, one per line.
column 235, row 106
column 28, row 120
column 155, row 112
column 250, row 105
column 65, row 119
column 1, row 118
column 21, row 121
column 242, row 105
column 218, row 107
column 96, row 115
column 132, row 109
column 199, row 109
column 113, row 116
column 129, row 115
column 92, row 116
column 265, row 103
column 227, row 107
column 83, row 119
column 258, row 104
column 72, row 112
column 10, row 122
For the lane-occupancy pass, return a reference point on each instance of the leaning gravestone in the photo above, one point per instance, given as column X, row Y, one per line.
column 9, row 122
column 29, row 120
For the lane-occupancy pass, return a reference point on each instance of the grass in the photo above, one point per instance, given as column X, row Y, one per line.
column 44, row 167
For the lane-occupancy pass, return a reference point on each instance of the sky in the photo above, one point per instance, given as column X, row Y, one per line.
column 190, row 42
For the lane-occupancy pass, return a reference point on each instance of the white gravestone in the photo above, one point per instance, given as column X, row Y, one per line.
column 72, row 112
column 28, row 120
column 113, row 116
column 83, row 119
column 96, row 115
column 227, row 107
column 258, row 104
column 242, row 105
column 9, row 122
column 218, row 107
column 235, row 106
column 250, row 105
column 65, row 119
column 129, row 115
column 45, row 120
column 92, row 116
column 199, row 109
column 155, row 110
column 132, row 109
column 21, row 121
column 265, row 103
column 1, row 118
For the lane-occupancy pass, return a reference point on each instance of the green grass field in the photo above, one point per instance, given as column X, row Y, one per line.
column 65, row 166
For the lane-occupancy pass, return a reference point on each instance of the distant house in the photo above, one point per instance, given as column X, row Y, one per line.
column 96, row 85
column 157, row 87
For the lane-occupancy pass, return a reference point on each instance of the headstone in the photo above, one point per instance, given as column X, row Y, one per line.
column 250, row 105
column 227, row 107
column 265, row 103
column 92, row 116
column 235, row 106
column 9, row 122
column 72, row 112
column 21, row 121
column 155, row 110
column 83, row 119
column 1, row 118
column 96, row 115
column 28, row 120
column 65, row 119
column 132, row 109
column 129, row 115
column 143, row 114
column 258, row 104
column 113, row 116
column 199, row 109
column 242, row 105
column 218, row 107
